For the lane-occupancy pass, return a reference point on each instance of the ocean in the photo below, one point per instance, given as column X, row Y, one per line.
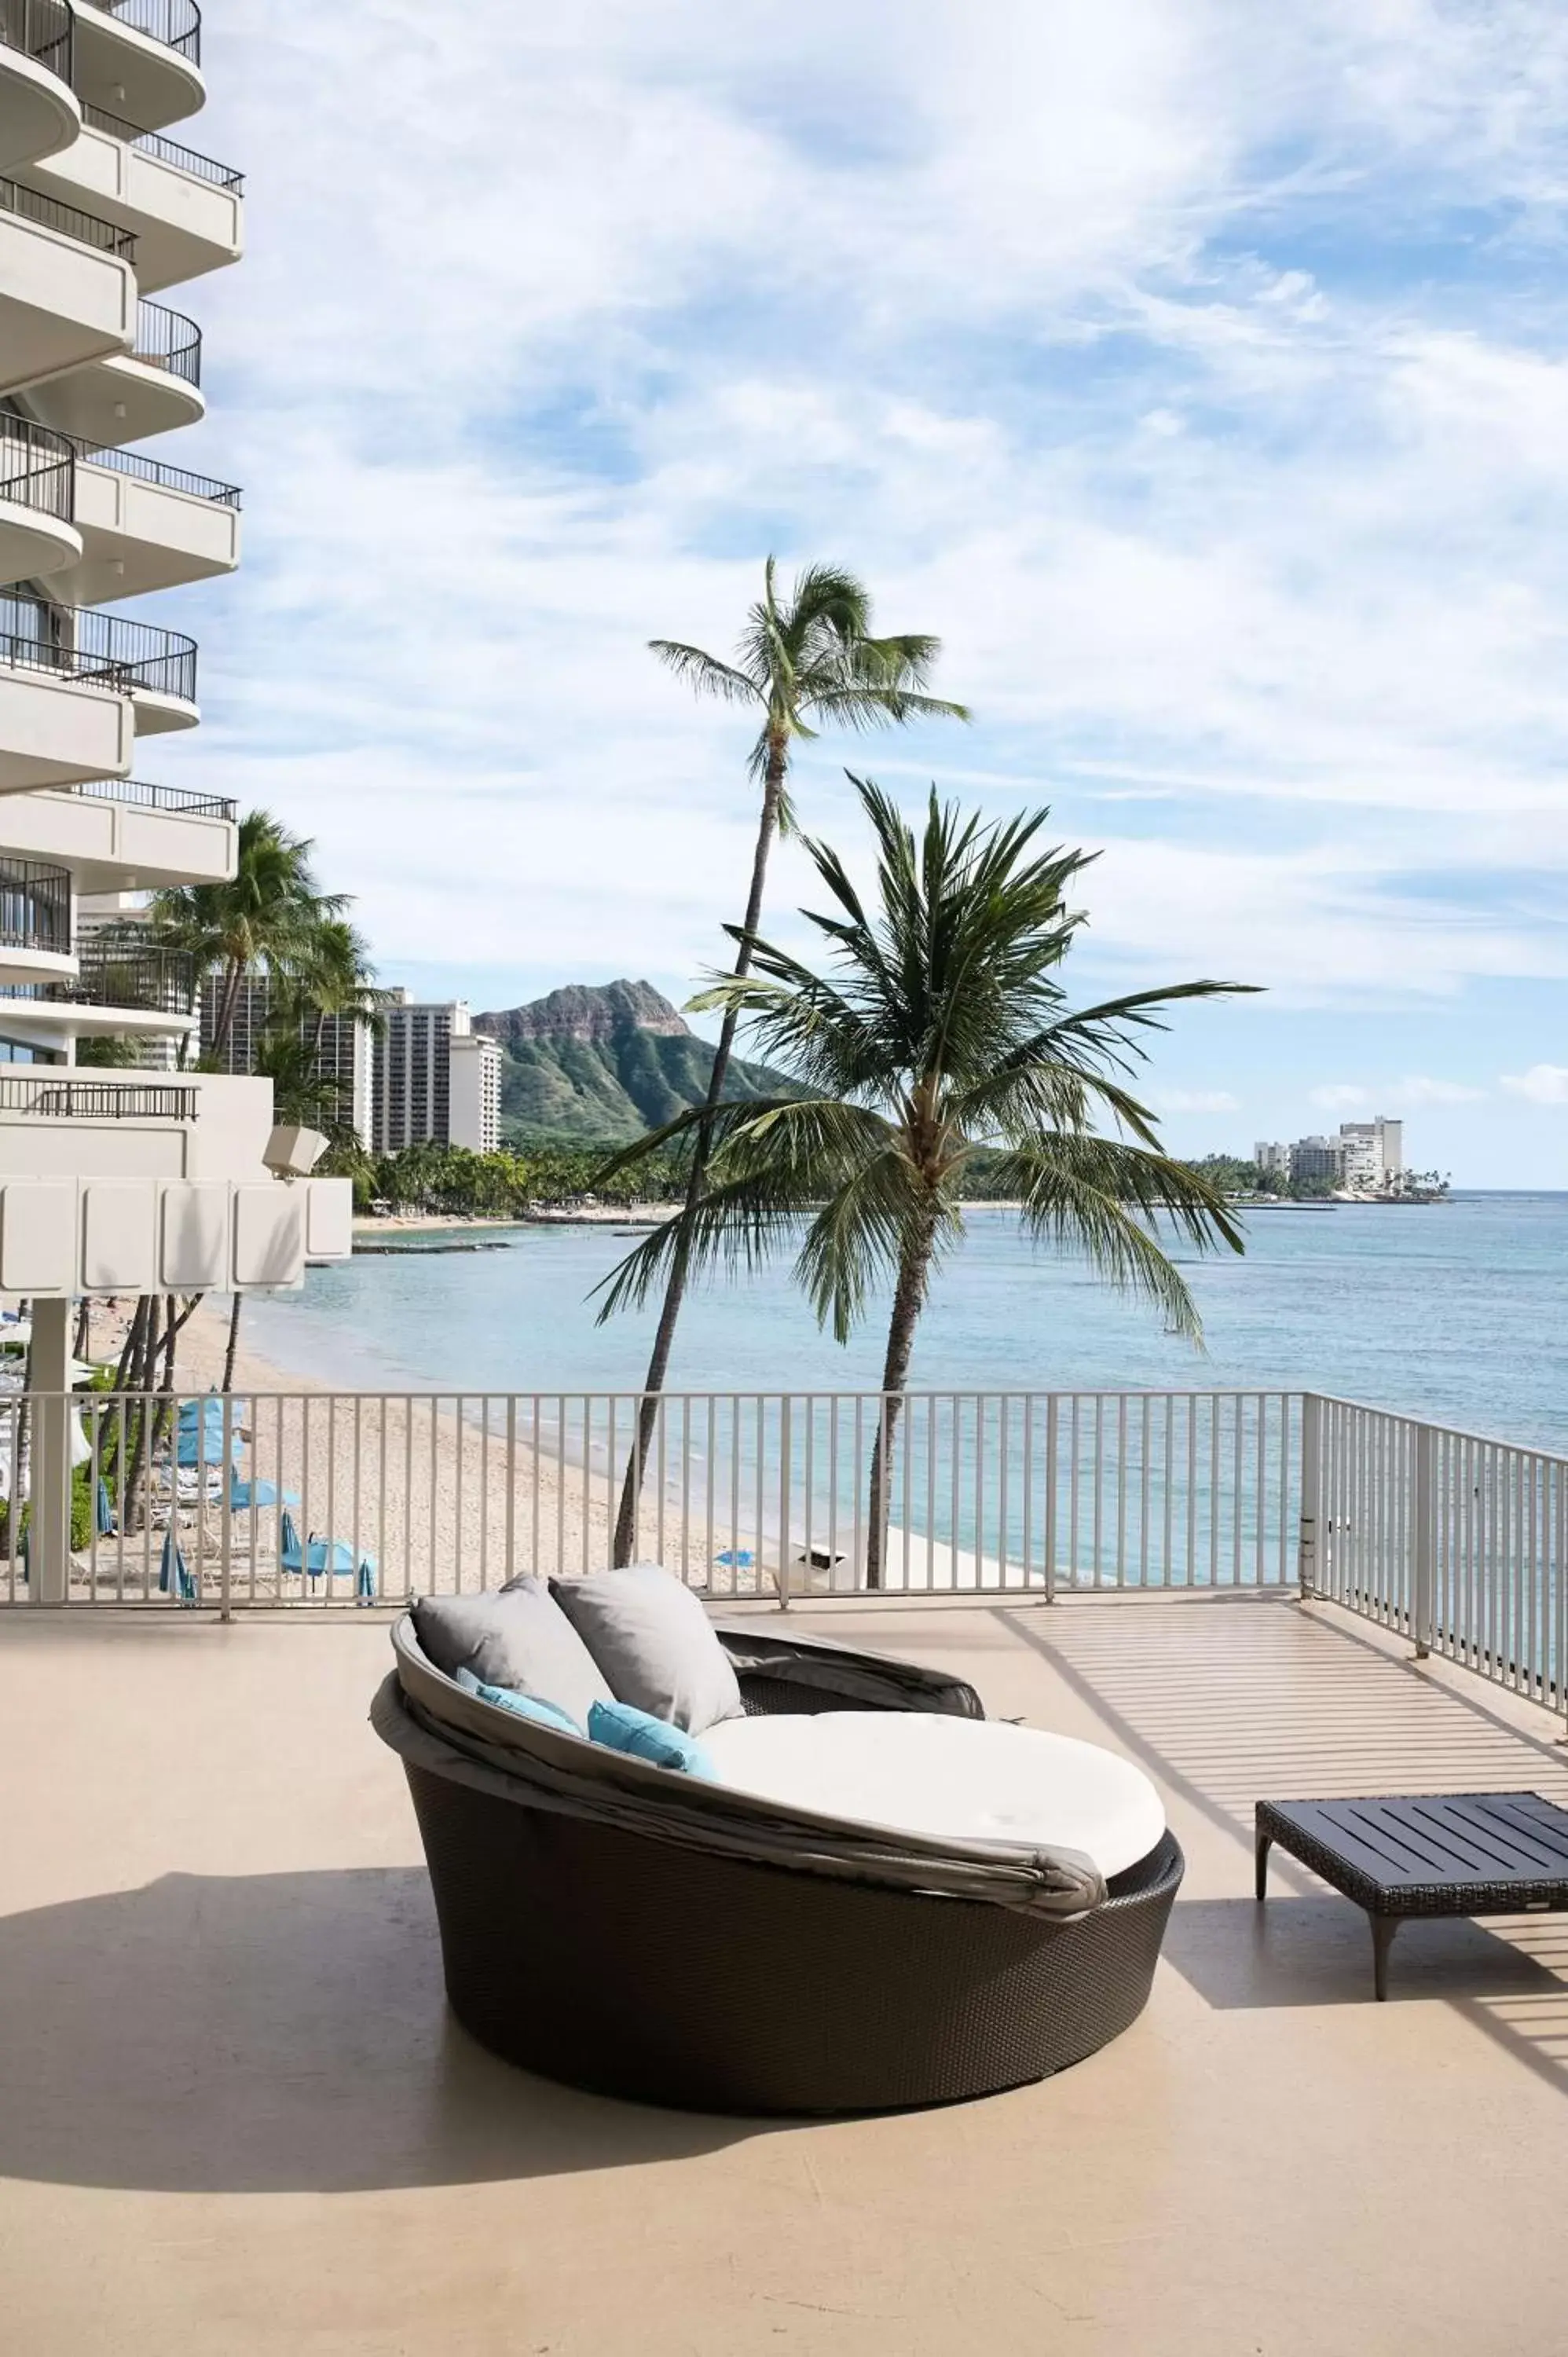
column 1458, row 1312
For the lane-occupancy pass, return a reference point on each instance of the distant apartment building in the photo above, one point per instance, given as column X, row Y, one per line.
column 436, row 1080
column 1366, row 1153
column 344, row 1053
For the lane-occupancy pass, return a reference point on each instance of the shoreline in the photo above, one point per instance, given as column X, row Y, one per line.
column 583, row 1215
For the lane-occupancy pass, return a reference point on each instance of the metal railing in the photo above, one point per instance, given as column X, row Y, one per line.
column 38, row 467
column 183, row 800
column 41, row 30
column 168, row 339
column 1458, row 1543
column 157, row 470
column 48, row 212
column 176, row 23
column 150, row 982
column 106, row 649
column 34, row 907
column 56, row 1100
column 164, row 150
column 1455, row 1544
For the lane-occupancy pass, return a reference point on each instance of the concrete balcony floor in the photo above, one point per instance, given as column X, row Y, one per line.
column 234, row 2115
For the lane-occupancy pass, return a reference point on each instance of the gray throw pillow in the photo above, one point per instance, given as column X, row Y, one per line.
column 517, row 1637
column 654, row 1643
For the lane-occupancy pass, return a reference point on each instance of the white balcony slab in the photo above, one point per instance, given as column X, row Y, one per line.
column 128, row 72
column 63, row 306
column 157, row 715
column 112, row 397
column 57, row 732
column 137, row 536
column 113, row 846
column 38, row 113
column 184, row 225
column 18, row 966
column 35, row 547
column 61, row 1237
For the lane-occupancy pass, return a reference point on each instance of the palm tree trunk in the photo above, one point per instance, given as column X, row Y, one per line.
column 909, row 1300
column 232, row 1353
column 675, row 1289
column 227, row 1004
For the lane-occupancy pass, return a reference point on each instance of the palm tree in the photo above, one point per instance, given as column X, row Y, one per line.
column 807, row 661
column 941, row 1032
column 332, row 975
column 258, row 918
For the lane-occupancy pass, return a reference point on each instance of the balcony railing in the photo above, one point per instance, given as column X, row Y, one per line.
column 41, row 30
column 69, row 220
column 105, row 649
column 38, row 467
column 176, row 23
column 34, row 907
column 183, row 800
column 168, row 339
column 157, row 470
column 150, row 982
column 166, row 151
column 51, row 1100
column 1456, row 1544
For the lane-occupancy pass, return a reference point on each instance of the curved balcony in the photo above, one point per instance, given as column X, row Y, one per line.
column 38, row 111
column 126, row 395
column 114, row 991
column 140, row 59
column 37, row 502
column 80, row 644
column 34, row 921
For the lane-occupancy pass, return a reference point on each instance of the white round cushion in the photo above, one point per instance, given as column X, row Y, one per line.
column 956, row 1778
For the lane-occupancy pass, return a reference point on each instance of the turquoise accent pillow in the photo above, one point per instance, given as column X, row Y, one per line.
column 622, row 1728
column 522, row 1706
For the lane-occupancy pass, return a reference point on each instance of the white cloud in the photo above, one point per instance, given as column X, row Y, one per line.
column 1341, row 1096
column 1544, row 1085
column 1220, row 489
column 1197, row 1101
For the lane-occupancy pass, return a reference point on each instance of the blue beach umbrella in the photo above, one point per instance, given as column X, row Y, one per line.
column 290, row 1554
column 261, row 1493
column 103, row 1511
column 174, row 1571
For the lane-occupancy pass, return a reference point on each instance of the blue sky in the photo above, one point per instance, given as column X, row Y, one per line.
column 1204, row 391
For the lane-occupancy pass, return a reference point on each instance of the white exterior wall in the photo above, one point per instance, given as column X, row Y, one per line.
column 475, row 1110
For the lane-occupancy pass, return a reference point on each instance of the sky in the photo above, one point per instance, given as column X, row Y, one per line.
column 1198, row 373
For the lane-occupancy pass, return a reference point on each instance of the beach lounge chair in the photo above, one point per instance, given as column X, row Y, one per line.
column 318, row 1555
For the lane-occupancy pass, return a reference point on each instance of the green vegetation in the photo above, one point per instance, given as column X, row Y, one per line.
column 547, row 1175
column 939, row 1030
column 607, row 1091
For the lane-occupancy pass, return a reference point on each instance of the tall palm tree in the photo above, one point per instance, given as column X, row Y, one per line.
column 939, row 1031
column 802, row 663
column 258, row 918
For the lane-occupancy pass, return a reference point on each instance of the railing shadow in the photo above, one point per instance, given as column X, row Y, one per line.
column 273, row 2033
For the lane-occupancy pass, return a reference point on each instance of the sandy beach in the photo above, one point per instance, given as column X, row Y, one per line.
column 432, row 1493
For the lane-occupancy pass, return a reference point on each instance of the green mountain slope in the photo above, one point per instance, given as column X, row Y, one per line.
column 602, row 1064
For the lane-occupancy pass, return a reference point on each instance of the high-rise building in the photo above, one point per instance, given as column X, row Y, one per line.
column 122, row 1181
column 438, row 1081
column 1374, row 1151
column 344, row 1051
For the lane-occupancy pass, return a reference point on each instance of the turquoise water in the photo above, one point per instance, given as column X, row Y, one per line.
column 1458, row 1312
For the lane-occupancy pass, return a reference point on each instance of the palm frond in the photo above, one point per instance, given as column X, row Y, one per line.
column 703, row 674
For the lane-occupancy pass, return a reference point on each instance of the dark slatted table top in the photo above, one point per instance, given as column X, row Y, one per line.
column 1462, row 1852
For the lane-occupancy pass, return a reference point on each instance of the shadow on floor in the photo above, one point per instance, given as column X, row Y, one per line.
column 1313, row 1952
column 270, row 2033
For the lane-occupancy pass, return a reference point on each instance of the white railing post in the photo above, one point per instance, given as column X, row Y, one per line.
column 784, row 1443
column 1052, row 1437
column 50, row 1487
column 1423, row 1541
column 1306, row 1556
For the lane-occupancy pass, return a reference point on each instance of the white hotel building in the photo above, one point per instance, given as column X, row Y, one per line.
column 120, row 1181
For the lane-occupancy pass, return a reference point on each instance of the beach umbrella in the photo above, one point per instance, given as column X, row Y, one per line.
column 174, row 1571
column 367, row 1583
column 261, row 1493
column 104, row 1513
column 737, row 1559
column 289, row 1551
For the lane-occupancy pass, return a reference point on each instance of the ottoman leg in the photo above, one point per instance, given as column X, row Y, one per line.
column 1260, row 1848
column 1383, row 1929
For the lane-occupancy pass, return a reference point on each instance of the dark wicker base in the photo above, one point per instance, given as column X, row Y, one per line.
column 633, row 1968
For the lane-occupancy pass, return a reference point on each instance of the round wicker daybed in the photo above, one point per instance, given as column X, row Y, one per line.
column 642, row 1933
